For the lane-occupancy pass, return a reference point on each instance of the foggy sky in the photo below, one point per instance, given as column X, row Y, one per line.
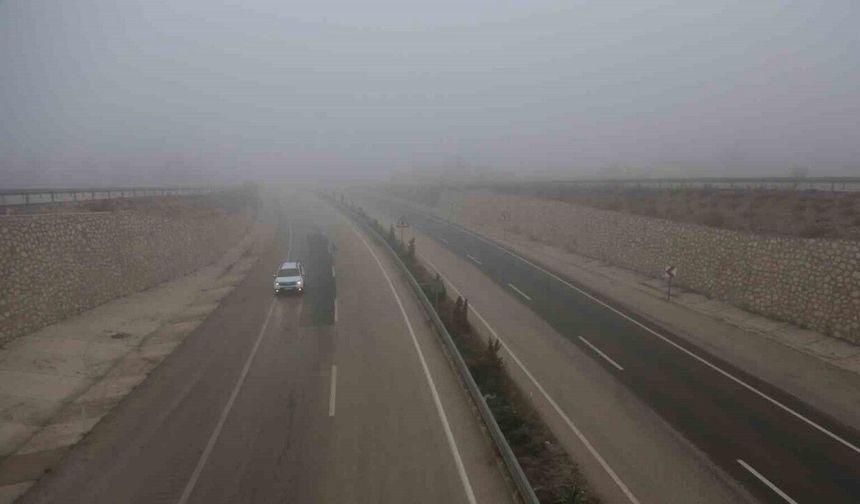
column 96, row 92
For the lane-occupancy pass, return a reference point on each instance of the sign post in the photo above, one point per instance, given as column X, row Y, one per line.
column 505, row 218
column 669, row 273
column 402, row 224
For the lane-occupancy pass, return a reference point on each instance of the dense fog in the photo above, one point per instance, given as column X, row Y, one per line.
column 96, row 92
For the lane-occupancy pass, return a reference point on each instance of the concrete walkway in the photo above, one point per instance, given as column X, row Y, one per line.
column 57, row 383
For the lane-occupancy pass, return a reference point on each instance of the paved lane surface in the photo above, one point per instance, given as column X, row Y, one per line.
column 779, row 448
column 271, row 400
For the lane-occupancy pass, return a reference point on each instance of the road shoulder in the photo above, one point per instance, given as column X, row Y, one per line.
column 482, row 466
column 821, row 371
column 633, row 440
column 57, row 383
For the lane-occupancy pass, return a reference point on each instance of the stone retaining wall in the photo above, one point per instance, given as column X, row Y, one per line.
column 53, row 266
column 811, row 283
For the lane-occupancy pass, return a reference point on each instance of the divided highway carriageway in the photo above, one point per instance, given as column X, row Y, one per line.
column 778, row 448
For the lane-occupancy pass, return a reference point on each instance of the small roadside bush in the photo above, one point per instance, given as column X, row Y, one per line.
column 554, row 476
column 714, row 219
column 100, row 205
column 814, row 231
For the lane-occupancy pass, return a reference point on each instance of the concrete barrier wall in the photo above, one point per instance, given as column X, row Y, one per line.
column 53, row 266
column 811, row 283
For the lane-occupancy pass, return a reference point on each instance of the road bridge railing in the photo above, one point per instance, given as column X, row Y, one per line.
column 43, row 196
column 827, row 184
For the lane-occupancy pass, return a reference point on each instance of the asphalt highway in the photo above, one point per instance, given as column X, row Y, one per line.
column 335, row 396
column 780, row 449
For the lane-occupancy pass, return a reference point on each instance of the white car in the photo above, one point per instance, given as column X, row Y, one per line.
column 290, row 278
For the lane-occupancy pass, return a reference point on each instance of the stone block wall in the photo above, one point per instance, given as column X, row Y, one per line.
column 808, row 282
column 53, row 266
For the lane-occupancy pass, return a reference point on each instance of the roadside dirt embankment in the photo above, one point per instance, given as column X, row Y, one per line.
column 55, row 265
column 812, row 283
column 787, row 213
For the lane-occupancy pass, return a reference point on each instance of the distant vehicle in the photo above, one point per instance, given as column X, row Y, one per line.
column 290, row 278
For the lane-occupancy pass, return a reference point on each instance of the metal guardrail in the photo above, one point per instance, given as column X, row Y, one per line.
column 833, row 184
column 48, row 196
column 522, row 483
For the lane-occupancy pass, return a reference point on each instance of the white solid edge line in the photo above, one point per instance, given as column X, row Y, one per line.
column 474, row 260
column 591, row 449
column 331, row 398
column 766, row 482
column 601, row 353
column 521, row 293
column 213, row 438
column 461, row 469
column 704, row 361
